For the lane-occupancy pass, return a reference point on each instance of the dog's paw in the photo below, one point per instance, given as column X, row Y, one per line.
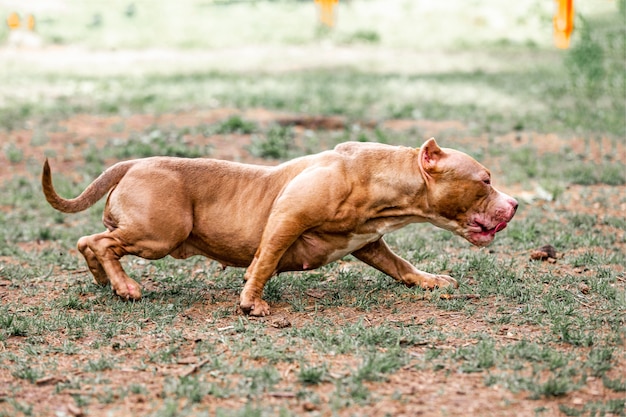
column 129, row 290
column 440, row 281
column 430, row 281
column 257, row 307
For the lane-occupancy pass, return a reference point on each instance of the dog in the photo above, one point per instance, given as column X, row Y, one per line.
column 296, row 216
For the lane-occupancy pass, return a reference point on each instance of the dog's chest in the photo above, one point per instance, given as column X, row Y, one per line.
column 354, row 242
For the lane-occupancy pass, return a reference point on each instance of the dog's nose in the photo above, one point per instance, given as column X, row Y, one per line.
column 514, row 204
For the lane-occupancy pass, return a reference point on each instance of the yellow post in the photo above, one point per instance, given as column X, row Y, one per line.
column 563, row 23
column 327, row 11
column 30, row 22
column 13, row 21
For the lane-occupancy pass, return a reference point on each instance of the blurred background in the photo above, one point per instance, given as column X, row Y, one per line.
column 485, row 62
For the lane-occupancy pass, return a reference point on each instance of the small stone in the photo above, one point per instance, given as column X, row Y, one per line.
column 538, row 255
column 281, row 323
column 544, row 253
column 583, row 288
column 74, row 410
column 549, row 249
column 309, row 406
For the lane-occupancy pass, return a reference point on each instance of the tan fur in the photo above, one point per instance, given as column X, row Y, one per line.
column 299, row 215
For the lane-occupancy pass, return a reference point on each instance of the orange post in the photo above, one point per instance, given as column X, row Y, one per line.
column 30, row 22
column 327, row 11
column 13, row 21
column 563, row 23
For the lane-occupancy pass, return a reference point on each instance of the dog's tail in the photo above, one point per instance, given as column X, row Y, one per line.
column 94, row 191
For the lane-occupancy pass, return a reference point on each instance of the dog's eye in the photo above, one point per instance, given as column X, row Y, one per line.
column 487, row 181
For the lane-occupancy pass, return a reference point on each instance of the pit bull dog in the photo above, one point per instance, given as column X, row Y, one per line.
column 296, row 216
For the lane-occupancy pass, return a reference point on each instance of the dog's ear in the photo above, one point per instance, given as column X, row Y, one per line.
column 429, row 155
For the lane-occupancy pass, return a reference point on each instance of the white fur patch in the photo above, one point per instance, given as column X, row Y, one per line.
column 355, row 242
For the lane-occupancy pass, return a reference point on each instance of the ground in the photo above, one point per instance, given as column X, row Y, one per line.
column 196, row 353
column 536, row 327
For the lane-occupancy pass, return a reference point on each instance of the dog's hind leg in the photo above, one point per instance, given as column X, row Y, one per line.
column 102, row 252
column 94, row 265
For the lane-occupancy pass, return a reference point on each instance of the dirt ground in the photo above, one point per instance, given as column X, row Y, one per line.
column 431, row 393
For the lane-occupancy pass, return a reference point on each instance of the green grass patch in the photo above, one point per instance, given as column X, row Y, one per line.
column 343, row 339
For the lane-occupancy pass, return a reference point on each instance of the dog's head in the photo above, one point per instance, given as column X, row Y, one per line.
column 460, row 195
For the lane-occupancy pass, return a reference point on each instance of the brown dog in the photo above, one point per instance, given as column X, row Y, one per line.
column 296, row 216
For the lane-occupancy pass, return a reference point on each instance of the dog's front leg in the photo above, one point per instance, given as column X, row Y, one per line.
column 311, row 198
column 378, row 255
column 279, row 234
column 250, row 300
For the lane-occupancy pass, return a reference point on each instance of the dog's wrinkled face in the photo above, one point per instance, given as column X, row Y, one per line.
column 460, row 192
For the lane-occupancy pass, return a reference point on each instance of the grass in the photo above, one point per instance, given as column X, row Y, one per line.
column 578, row 91
column 355, row 94
column 542, row 336
column 577, row 337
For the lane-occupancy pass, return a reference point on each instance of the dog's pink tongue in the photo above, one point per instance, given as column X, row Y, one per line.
column 499, row 227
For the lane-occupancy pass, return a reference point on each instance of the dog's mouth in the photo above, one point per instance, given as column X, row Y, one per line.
column 481, row 234
column 491, row 231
